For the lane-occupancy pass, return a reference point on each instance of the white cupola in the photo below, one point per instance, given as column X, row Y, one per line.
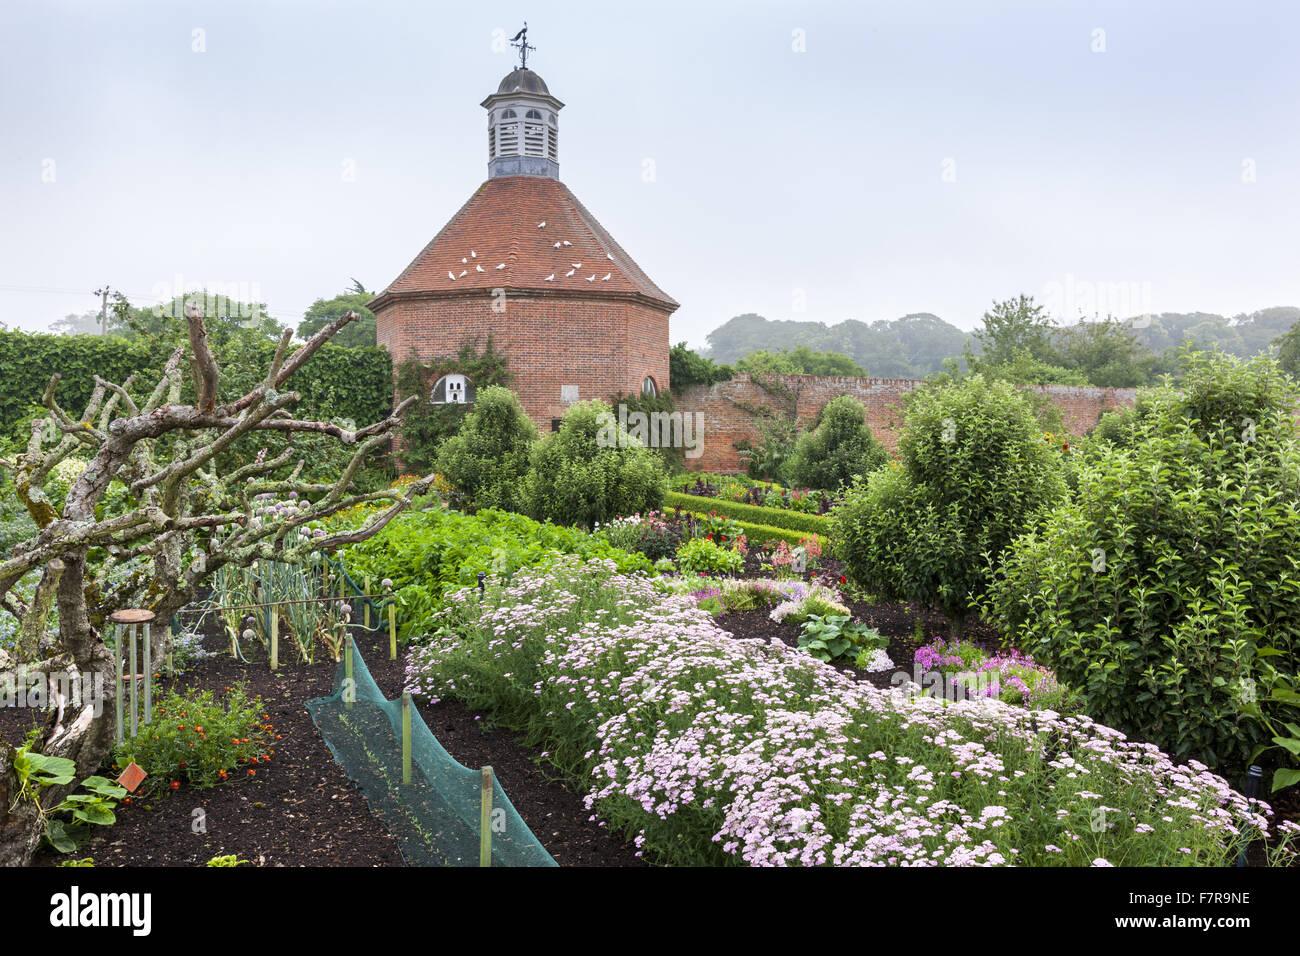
column 523, row 129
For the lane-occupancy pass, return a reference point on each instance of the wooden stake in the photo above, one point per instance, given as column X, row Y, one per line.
column 275, row 638
column 406, row 737
column 117, row 679
column 350, row 685
column 392, row 631
column 148, row 675
column 485, row 820
column 135, row 717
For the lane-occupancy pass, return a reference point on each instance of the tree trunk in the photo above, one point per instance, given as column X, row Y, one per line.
column 80, row 735
column 19, row 829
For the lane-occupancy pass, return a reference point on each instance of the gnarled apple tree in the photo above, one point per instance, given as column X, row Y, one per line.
column 182, row 521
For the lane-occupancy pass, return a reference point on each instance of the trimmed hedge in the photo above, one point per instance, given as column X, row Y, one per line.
column 355, row 383
column 754, row 514
column 762, row 533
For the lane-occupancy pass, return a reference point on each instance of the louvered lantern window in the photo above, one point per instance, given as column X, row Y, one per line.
column 508, row 134
column 534, row 138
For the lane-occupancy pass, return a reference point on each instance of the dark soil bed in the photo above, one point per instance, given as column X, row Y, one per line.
column 301, row 809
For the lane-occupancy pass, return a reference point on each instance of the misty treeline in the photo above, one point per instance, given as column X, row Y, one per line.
column 1015, row 340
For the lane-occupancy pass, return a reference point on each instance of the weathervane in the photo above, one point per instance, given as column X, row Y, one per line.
column 521, row 41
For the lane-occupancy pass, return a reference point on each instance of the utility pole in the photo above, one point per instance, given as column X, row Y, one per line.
column 103, row 308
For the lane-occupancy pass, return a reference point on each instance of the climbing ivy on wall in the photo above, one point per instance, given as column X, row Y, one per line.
column 427, row 425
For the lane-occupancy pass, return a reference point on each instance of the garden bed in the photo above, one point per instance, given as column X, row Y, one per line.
column 301, row 809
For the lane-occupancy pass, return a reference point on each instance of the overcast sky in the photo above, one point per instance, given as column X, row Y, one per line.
column 820, row 161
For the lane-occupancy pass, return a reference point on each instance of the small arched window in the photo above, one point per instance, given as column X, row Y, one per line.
column 648, row 388
column 533, row 115
column 453, row 389
column 508, row 114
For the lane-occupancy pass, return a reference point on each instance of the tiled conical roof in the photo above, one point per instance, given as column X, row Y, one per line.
column 525, row 232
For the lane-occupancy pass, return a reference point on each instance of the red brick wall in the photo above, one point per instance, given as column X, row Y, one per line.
column 725, row 422
column 602, row 345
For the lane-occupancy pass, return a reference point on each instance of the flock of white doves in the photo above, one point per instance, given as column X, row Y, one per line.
column 466, row 260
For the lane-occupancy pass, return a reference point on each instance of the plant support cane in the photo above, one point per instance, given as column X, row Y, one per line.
column 349, row 684
column 392, row 631
column 485, row 820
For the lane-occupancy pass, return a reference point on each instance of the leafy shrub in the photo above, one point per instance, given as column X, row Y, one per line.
column 488, row 458
column 591, row 470
column 653, row 534
column 769, row 457
column 816, row 603
column 687, row 368
column 196, row 739
column 659, row 537
column 975, row 473
column 839, row 448
column 1166, row 590
column 426, row 553
column 832, row 636
column 702, row 556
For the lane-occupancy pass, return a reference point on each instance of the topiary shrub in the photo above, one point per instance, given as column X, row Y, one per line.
column 839, row 448
column 1167, row 590
column 487, row 459
column 592, row 471
column 975, row 472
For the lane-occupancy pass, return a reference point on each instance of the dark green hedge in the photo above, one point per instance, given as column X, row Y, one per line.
column 355, row 383
column 757, row 534
column 767, row 517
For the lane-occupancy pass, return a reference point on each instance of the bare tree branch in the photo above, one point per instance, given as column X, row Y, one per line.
column 296, row 360
column 206, row 374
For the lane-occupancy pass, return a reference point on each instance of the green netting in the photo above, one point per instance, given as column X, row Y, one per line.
column 436, row 817
column 358, row 594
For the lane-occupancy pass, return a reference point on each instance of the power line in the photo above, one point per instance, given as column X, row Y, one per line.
column 138, row 297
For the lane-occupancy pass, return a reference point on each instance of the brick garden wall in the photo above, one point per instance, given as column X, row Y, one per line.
column 726, row 420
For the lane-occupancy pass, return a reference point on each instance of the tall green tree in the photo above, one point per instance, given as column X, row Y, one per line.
column 325, row 311
column 687, row 368
column 801, row 360
column 487, row 460
column 838, row 449
column 1106, row 353
column 1288, row 351
column 1015, row 326
column 975, row 472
